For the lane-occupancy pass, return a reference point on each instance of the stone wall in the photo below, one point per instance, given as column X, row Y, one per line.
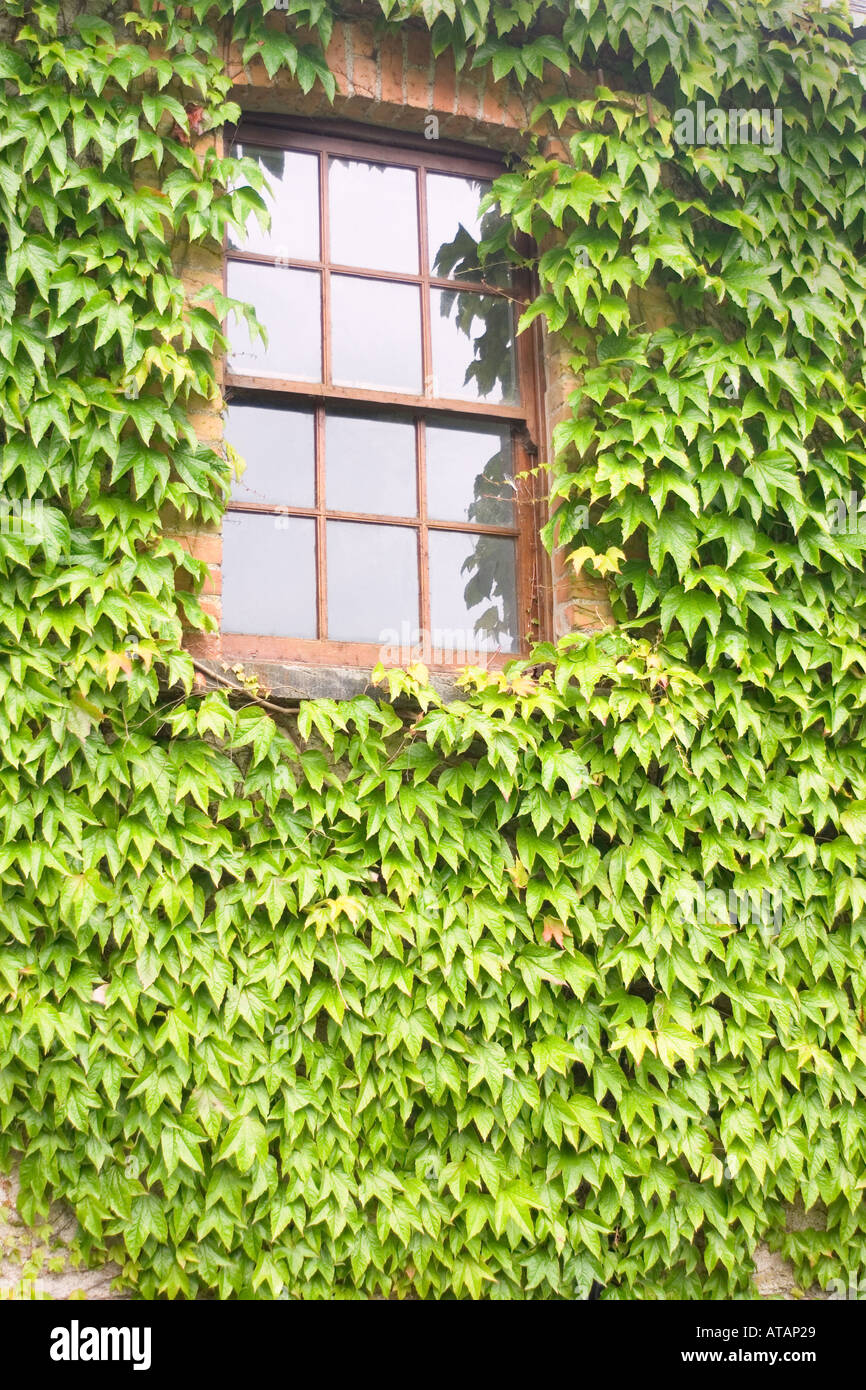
column 40, row 1262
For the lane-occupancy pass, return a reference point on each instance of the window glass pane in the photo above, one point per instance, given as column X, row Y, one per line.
column 269, row 575
column 287, row 304
column 372, row 582
column 278, row 447
column 370, row 465
column 293, row 202
column 455, row 229
column 473, row 347
column 374, row 216
column 469, row 474
column 473, row 593
column 377, row 334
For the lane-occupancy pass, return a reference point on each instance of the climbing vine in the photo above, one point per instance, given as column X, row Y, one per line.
column 409, row 998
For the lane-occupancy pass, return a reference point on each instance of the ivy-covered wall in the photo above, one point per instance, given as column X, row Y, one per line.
column 557, row 984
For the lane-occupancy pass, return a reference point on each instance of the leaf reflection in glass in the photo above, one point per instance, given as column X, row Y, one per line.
column 486, row 321
column 455, row 245
column 490, row 568
column 480, row 614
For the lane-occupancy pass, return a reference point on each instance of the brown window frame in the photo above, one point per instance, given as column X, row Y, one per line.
column 533, row 584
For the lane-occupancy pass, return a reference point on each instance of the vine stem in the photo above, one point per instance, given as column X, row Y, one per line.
column 222, row 679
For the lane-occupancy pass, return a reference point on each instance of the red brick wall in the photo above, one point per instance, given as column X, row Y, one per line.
column 579, row 603
column 394, row 81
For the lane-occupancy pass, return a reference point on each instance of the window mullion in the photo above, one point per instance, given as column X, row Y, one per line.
column 325, row 252
column 321, row 529
column 527, row 570
column 423, row 540
column 424, row 266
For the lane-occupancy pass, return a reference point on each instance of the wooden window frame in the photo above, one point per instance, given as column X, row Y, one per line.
column 372, row 145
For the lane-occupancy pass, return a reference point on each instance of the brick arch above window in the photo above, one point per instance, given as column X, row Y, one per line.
column 393, row 80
